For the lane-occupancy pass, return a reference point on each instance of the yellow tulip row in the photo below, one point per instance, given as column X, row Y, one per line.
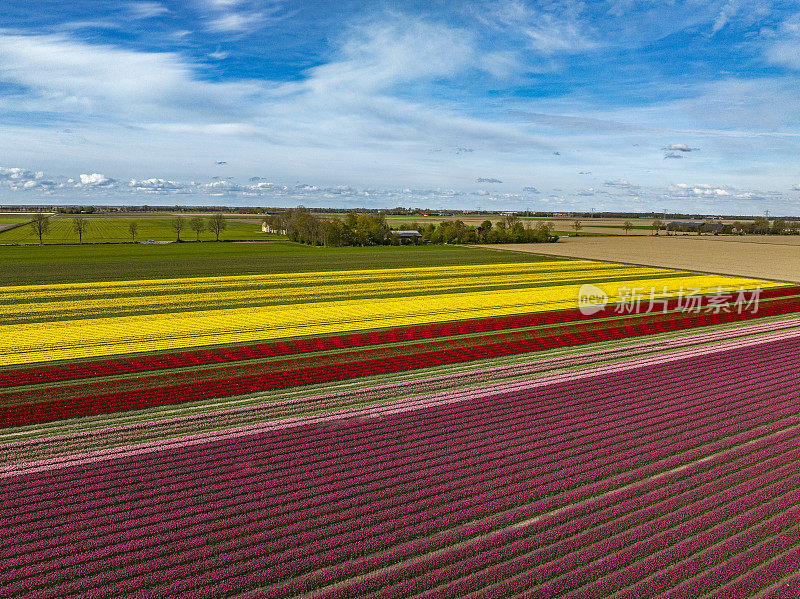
column 280, row 281
column 106, row 336
column 178, row 300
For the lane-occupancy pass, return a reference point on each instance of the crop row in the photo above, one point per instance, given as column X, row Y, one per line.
column 166, row 285
column 169, row 421
column 515, row 340
column 122, row 434
column 263, row 568
column 46, row 373
column 178, row 299
column 549, row 404
column 481, row 462
column 690, row 440
column 637, row 533
column 125, row 400
column 564, row 389
column 503, row 535
column 94, row 337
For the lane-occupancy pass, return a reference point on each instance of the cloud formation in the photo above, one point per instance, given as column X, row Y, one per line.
column 147, row 10
column 20, row 179
column 153, row 185
column 96, row 180
column 487, row 180
column 620, row 184
column 404, row 97
column 698, row 190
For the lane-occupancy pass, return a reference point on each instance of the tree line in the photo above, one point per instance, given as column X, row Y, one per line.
column 510, row 229
column 364, row 229
column 299, row 225
column 216, row 224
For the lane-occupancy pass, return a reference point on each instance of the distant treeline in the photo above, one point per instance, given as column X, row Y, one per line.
column 759, row 226
column 298, row 224
column 508, row 230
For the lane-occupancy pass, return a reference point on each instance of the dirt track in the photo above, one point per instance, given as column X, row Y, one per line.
column 767, row 257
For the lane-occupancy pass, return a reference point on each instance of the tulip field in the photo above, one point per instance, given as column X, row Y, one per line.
column 450, row 430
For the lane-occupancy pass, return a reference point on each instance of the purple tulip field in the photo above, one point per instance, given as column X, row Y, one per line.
column 645, row 467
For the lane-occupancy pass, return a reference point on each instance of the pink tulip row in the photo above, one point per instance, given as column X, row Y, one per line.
column 242, row 525
column 698, row 562
column 123, row 463
column 130, row 505
column 614, row 558
column 353, row 528
column 656, row 496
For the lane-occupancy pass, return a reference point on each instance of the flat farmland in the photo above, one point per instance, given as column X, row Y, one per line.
column 277, row 420
column 116, row 230
column 769, row 256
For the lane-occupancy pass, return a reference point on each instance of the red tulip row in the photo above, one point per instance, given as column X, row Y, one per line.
column 108, row 367
column 225, row 370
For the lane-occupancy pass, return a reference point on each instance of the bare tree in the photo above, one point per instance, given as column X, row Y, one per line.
column 657, row 224
column 40, row 225
column 511, row 220
column 79, row 225
column 577, row 226
column 178, row 225
column 197, row 225
column 217, row 224
column 133, row 226
column 627, row 225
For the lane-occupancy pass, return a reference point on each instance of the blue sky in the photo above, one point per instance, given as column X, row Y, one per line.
column 511, row 105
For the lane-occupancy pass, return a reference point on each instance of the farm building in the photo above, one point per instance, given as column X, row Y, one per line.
column 408, row 236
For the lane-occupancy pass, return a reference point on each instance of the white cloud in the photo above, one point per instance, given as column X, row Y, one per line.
column 237, row 17
column 96, row 180
column 20, row 179
column 68, row 77
column 620, row 184
column 728, row 10
column 783, row 46
column 147, row 10
column 555, row 27
column 235, row 22
column 155, row 184
column 700, row 190
column 352, row 97
column 222, row 186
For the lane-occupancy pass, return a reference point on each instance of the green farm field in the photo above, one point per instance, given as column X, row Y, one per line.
column 33, row 264
column 115, row 230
